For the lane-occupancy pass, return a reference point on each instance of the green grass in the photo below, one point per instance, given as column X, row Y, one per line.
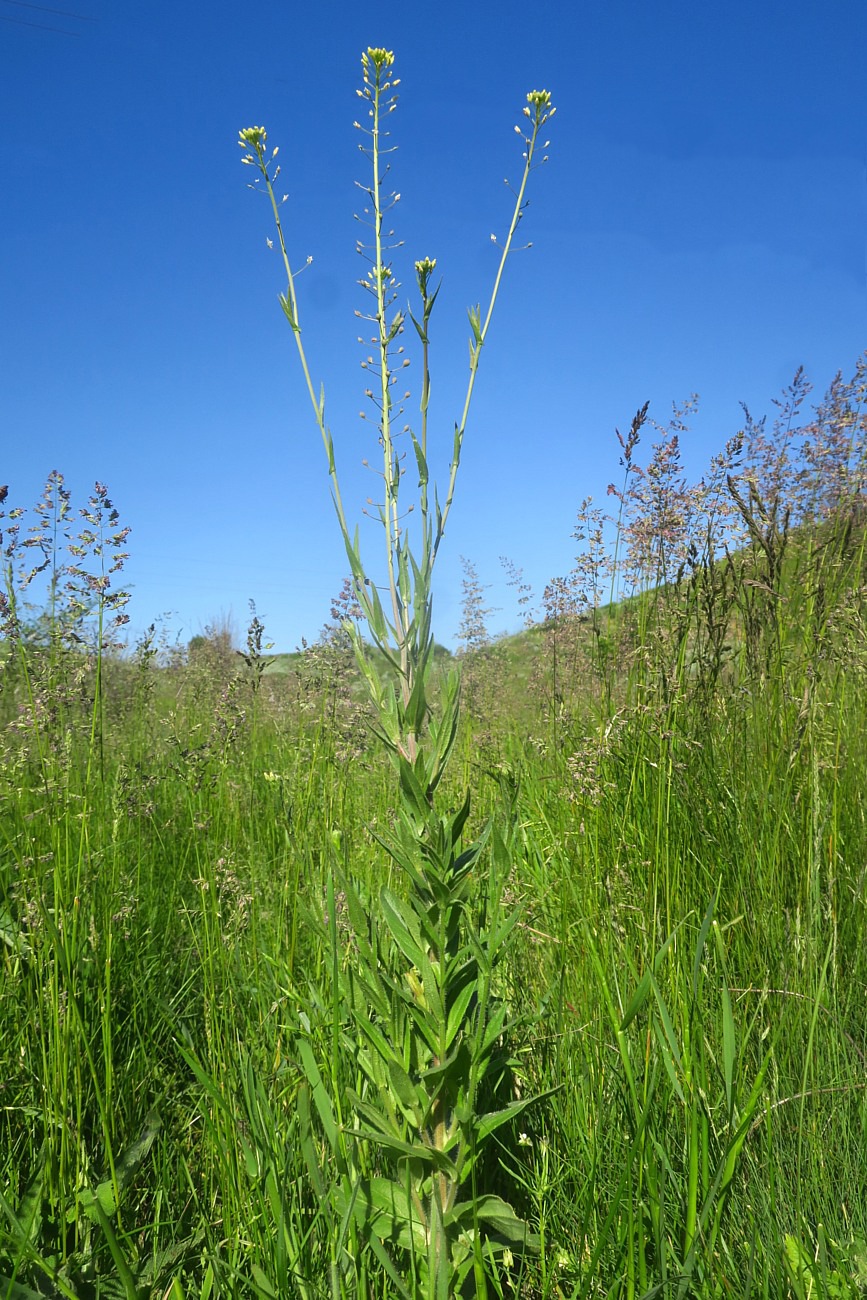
column 689, row 975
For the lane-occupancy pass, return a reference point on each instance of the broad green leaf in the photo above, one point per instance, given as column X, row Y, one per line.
column 130, row 1159
column 416, row 709
column 308, row 1149
column 263, row 1285
column 489, row 1123
column 401, row 1149
column 458, row 1011
column 102, row 1198
column 459, row 820
column 496, row 1212
column 29, row 1212
column 17, row 1291
column 408, row 942
column 251, row 1159
column 11, row 934
column 494, row 1028
column 414, row 795
column 383, row 1207
column 503, row 932
column 321, row 1100
column 403, row 1086
column 454, row 1069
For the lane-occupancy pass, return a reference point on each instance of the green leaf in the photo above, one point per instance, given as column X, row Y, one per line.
column 382, row 1207
column 493, row 1029
column 399, row 1148
column 308, row 1149
column 408, row 940
column 729, row 1047
column 456, row 450
column 395, row 325
column 729, row 1037
column 489, row 1123
column 637, row 1001
column 403, row 1086
column 421, row 461
column 419, row 330
column 251, row 1159
column 668, row 1062
column 321, row 1100
column 287, row 311
column 458, row 1011
column 496, row 1212
column 131, row 1158
column 29, row 1212
column 455, row 1068
column 102, row 1198
column 414, row 794
column 263, row 1285
column 502, row 933
column 670, row 1036
column 11, row 934
column 700, row 946
column 639, row 997
column 459, row 820
column 17, row 1291
column 417, row 708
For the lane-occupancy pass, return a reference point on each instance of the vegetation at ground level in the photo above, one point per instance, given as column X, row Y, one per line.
column 191, row 853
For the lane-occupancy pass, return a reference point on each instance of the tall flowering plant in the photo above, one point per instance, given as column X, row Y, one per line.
column 421, row 1015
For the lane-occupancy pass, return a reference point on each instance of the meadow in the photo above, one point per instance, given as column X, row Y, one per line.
column 682, row 774
column 538, row 970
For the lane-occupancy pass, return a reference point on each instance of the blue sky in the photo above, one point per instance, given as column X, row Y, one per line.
column 700, row 227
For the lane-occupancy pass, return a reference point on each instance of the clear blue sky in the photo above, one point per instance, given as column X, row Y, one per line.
column 700, row 228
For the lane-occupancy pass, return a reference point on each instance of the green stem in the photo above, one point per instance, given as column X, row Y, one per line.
column 482, row 329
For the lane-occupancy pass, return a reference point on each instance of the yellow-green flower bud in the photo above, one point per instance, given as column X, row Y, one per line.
column 379, row 58
column 253, row 137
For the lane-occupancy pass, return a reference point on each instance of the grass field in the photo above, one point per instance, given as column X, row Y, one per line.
column 675, row 783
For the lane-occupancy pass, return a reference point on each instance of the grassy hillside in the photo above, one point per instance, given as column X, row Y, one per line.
column 684, row 770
